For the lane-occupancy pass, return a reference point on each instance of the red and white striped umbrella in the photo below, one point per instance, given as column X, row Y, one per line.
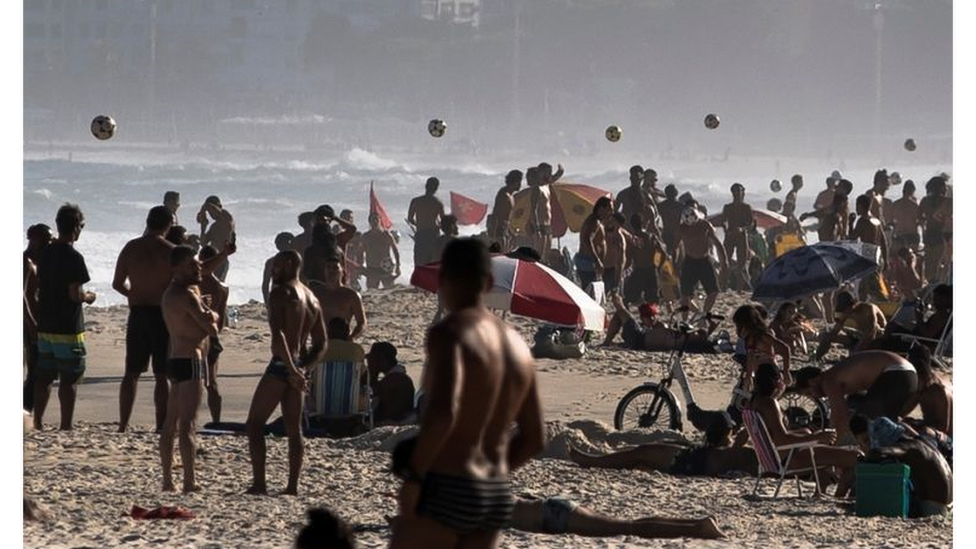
column 529, row 289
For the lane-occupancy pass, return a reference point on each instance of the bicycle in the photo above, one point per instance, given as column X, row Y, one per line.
column 654, row 404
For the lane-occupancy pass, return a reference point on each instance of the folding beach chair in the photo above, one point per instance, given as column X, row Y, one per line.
column 943, row 345
column 769, row 457
column 340, row 386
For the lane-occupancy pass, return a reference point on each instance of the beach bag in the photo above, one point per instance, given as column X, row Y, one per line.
column 558, row 343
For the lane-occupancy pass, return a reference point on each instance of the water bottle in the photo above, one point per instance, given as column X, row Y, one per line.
column 233, row 317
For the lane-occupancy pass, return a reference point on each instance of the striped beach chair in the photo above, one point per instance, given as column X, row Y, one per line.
column 770, row 456
column 340, row 385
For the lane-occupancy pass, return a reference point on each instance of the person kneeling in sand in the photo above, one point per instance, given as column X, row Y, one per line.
column 190, row 323
column 650, row 334
column 294, row 316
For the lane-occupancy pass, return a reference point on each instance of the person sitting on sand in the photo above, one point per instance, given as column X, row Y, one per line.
column 869, row 323
column 888, row 380
column 906, row 278
column 935, row 325
column 719, row 455
column 930, row 473
column 790, row 326
column 325, row 530
column 650, row 334
column 562, row 516
column 393, row 393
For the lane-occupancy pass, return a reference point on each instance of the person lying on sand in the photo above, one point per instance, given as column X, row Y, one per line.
column 650, row 334
column 561, row 516
column 717, row 456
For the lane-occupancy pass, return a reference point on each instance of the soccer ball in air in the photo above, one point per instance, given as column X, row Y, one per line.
column 712, row 121
column 436, row 127
column 910, row 144
column 775, row 186
column 774, row 205
column 613, row 133
column 103, row 127
column 894, row 178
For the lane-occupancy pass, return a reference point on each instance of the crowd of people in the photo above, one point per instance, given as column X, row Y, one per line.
column 479, row 377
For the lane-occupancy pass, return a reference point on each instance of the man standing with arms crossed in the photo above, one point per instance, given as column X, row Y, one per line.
column 456, row 490
column 190, row 323
column 294, row 317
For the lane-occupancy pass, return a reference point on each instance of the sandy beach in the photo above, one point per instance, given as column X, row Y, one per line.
column 90, row 478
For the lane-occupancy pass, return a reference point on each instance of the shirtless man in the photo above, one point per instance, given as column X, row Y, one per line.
column 935, row 217
column 593, row 249
column 652, row 195
column 737, row 218
column 540, row 207
column 890, row 382
column 378, row 244
column 876, row 195
column 342, row 227
column 631, row 200
column 930, row 474
column 696, row 237
column 868, row 319
column 456, row 490
column 870, row 229
column 424, row 216
column 833, row 220
column 670, row 210
column 295, row 318
column 825, row 198
column 618, row 258
column 642, row 285
column 306, row 220
column 171, row 199
column 142, row 273
column 217, row 234
column 190, row 322
column 214, row 295
column 904, row 216
column 284, row 241
column 337, row 300
column 501, row 213
column 796, row 183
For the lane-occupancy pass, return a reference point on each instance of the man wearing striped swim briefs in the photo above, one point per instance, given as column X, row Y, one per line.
column 456, row 489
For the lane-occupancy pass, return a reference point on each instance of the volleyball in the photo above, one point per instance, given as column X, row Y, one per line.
column 103, row 127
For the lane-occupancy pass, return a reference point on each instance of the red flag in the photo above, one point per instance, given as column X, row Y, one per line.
column 378, row 209
column 467, row 211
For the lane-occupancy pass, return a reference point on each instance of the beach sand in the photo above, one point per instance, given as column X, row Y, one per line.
column 90, row 478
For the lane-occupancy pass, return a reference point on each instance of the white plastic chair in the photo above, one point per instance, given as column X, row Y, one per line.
column 770, row 457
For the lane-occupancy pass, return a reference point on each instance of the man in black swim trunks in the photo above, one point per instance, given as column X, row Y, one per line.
column 696, row 237
column 456, row 489
column 190, row 323
column 142, row 273
column 295, row 318
column 889, row 382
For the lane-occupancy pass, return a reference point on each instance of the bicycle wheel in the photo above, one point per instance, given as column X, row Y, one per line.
column 804, row 411
column 647, row 407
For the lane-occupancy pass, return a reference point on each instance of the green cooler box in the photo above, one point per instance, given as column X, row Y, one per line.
column 882, row 489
